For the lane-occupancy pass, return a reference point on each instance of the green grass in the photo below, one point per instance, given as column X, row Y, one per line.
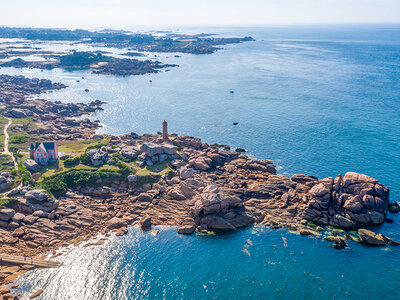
column 78, row 147
column 159, row 168
column 7, row 202
column 3, row 159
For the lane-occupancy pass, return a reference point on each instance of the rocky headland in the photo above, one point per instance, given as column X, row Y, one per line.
column 160, row 42
column 152, row 180
column 97, row 62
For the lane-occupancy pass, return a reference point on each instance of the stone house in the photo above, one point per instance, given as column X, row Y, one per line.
column 44, row 153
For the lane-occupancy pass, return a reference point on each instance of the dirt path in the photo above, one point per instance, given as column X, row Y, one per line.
column 6, row 140
column 7, row 152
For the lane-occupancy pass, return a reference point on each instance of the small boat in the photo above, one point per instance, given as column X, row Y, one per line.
column 150, row 80
column 231, row 92
column 235, row 123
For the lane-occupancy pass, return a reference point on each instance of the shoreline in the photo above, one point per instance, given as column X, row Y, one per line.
column 211, row 188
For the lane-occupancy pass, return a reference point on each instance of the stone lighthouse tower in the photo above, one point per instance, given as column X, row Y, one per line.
column 165, row 130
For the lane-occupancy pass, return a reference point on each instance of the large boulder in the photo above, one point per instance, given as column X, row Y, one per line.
column 37, row 195
column 17, row 113
column 145, row 222
column 6, row 181
column 217, row 223
column 144, row 197
column 169, row 149
column 354, row 200
column 129, row 152
column 394, row 208
column 97, row 156
column 32, row 165
column 203, row 163
column 116, row 223
column 186, row 229
column 152, row 149
column 185, row 173
column 371, row 238
column 6, row 214
column 132, row 178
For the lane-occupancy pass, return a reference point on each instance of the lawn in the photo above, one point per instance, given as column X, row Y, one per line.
column 77, row 147
column 58, row 166
column 160, row 168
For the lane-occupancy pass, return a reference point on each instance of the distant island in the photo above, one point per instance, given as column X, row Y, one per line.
column 168, row 42
column 97, row 60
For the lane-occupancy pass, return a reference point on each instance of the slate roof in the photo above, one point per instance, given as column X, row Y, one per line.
column 46, row 145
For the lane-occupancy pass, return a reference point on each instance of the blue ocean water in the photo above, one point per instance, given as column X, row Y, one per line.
column 316, row 100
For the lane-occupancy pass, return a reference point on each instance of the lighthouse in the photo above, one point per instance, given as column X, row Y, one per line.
column 165, row 131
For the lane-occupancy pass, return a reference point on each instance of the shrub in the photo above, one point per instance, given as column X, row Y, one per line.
column 26, row 177
column 59, row 183
column 123, row 158
column 85, row 160
column 14, row 172
column 71, row 162
column 19, row 139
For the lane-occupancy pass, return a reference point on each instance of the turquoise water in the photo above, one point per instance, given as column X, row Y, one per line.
column 143, row 266
column 318, row 101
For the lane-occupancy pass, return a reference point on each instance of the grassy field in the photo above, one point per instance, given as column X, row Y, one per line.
column 160, row 168
column 3, row 159
column 77, row 147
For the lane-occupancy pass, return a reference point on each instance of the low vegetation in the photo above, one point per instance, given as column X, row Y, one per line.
column 19, row 139
column 60, row 182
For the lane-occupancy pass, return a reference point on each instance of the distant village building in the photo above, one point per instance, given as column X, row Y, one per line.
column 44, row 153
column 165, row 130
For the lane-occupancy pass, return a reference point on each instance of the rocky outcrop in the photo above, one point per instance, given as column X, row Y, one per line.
column 394, row 207
column 352, row 201
column 17, row 113
column 218, row 211
column 145, row 222
column 185, row 173
column 31, row 165
column 152, row 149
column 97, row 156
column 371, row 238
column 129, row 152
column 6, row 181
column 6, row 214
column 37, row 195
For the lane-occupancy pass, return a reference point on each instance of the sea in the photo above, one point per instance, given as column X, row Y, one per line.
column 318, row 100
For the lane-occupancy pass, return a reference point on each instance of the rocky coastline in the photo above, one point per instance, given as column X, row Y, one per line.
column 98, row 63
column 177, row 181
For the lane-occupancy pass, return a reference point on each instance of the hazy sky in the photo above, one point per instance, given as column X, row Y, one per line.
column 159, row 13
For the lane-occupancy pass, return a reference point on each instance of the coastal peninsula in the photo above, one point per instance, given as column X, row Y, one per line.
column 103, row 183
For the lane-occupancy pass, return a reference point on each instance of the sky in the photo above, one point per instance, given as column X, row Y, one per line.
column 169, row 13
